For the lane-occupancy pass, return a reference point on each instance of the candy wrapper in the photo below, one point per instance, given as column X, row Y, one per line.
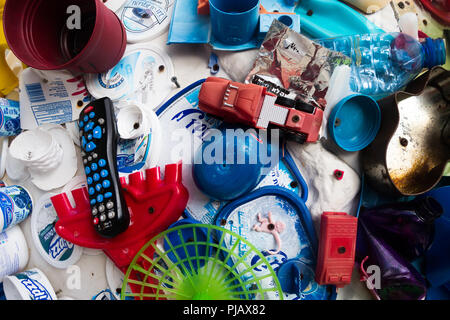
column 291, row 65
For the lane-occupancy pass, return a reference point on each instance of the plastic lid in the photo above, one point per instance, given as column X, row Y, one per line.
column 143, row 75
column 146, row 20
column 55, row 250
column 434, row 52
column 354, row 122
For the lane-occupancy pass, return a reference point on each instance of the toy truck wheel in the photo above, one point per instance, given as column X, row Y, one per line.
column 294, row 136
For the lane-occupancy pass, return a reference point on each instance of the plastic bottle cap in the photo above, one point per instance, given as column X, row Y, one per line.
column 434, row 52
column 146, row 20
column 53, row 249
column 143, row 74
column 354, row 122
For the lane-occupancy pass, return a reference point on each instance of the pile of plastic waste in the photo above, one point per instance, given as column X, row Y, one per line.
column 224, row 149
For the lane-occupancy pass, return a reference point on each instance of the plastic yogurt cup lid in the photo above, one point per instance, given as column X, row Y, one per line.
column 55, row 250
column 145, row 20
column 144, row 74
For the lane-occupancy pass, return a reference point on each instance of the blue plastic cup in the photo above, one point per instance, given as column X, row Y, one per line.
column 234, row 22
column 354, row 122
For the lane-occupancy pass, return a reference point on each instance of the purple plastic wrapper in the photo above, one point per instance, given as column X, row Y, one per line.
column 291, row 65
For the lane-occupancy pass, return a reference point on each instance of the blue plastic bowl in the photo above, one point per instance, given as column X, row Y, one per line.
column 354, row 122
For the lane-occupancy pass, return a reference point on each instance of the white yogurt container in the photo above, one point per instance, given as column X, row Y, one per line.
column 14, row 253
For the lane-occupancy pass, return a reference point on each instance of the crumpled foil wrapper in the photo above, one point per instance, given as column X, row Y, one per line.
column 291, row 65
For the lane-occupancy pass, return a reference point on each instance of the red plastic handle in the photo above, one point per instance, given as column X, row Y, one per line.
column 154, row 204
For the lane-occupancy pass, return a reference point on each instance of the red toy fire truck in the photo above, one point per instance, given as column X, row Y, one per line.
column 253, row 105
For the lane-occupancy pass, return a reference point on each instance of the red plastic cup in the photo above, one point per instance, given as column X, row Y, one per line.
column 37, row 33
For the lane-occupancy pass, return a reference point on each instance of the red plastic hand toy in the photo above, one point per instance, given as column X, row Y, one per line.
column 154, row 204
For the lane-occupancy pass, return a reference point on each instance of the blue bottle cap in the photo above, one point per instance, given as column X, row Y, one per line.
column 434, row 52
column 354, row 122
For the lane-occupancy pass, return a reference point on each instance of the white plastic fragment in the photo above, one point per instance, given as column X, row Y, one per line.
column 3, row 156
column 326, row 193
column 409, row 24
column 114, row 5
column 145, row 20
column 140, row 136
column 144, row 74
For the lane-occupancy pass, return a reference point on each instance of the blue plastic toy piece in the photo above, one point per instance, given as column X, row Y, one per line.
column 332, row 18
column 222, row 180
column 354, row 122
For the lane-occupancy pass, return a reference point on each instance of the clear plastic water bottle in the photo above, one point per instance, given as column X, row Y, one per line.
column 384, row 63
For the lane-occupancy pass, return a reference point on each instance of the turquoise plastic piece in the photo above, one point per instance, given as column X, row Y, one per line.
column 332, row 18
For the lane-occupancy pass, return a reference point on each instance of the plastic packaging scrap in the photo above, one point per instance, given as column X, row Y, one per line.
column 144, row 75
column 49, row 155
column 50, row 97
column 16, row 204
column 291, row 65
